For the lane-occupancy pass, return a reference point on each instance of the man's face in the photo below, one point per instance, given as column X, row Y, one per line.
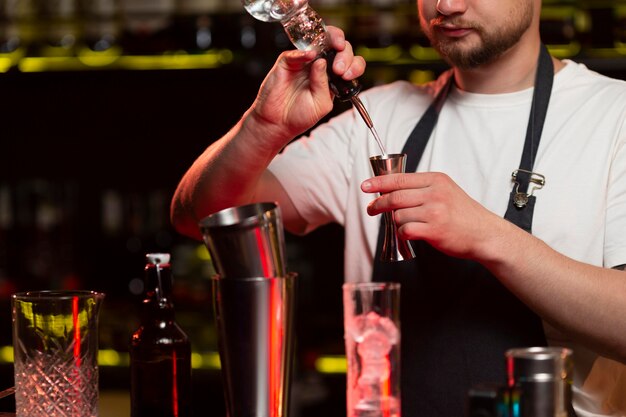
column 470, row 33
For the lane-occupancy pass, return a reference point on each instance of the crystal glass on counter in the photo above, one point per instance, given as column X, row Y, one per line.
column 55, row 343
column 372, row 338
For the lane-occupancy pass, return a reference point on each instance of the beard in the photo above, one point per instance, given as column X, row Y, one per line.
column 493, row 41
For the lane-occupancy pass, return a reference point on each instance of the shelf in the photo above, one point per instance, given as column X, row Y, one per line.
column 114, row 60
column 393, row 55
column 383, row 33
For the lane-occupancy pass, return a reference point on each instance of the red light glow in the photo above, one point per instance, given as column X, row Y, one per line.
column 76, row 323
column 174, row 386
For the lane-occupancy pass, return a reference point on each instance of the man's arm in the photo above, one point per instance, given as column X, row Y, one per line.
column 203, row 191
column 233, row 171
column 584, row 301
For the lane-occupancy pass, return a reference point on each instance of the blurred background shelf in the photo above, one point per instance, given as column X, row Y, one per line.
column 73, row 35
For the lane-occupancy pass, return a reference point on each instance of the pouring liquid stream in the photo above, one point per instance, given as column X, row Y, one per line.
column 358, row 104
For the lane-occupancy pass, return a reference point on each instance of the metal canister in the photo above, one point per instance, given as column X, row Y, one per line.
column 540, row 380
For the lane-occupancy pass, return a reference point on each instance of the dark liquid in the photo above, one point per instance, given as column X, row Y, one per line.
column 160, row 385
column 349, row 90
column 358, row 104
column 160, row 351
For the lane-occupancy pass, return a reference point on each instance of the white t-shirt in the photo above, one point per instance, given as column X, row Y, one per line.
column 478, row 141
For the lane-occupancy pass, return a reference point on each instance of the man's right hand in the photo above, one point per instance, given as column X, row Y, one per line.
column 295, row 94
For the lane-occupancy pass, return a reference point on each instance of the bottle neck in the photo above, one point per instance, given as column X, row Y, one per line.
column 157, row 304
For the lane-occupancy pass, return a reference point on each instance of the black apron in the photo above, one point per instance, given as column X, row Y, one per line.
column 457, row 319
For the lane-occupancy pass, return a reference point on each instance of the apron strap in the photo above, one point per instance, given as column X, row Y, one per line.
column 519, row 214
column 416, row 143
column 521, row 204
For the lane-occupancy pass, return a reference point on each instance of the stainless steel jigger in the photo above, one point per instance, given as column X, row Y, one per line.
column 394, row 249
column 254, row 304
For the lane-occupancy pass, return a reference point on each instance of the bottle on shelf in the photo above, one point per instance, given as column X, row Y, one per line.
column 100, row 25
column 9, row 29
column 160, row 351
column 147, row 26
column 194, row 24
column 60, row 23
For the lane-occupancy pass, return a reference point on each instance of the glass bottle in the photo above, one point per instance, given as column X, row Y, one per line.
column 160, row 351
column 307, row 31
column 101, row 26
column 147, row 26
column 60, row 23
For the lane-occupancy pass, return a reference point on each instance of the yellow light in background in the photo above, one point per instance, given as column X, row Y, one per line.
column 207, row 360
column 99, row 59
column 6, row 354
column 196, row 360
column 331, row 365
column 177, row 60
column 386, row 54
column 564, row 51
column 8, row 60
column 202, row 253
column 5, row 64
column 422, row 53
column 211, row 360
column 582, row 21
column 110, row 357
column 620, row 47
column 39, row 64
column 419, row 77
column 114, row 60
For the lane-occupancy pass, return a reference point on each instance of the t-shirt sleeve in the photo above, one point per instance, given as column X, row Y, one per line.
column 314, row 170
column 615, row 240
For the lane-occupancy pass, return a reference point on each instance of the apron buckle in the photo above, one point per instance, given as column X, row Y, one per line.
column 525, row 178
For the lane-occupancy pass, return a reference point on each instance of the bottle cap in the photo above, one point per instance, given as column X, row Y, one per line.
column 158, row 258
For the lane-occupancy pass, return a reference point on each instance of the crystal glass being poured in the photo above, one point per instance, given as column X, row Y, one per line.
column 307, row 31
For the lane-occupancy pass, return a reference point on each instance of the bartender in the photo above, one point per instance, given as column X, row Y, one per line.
column 514, row 198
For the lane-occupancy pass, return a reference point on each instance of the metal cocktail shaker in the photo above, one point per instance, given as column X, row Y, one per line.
column 253, row 300
column 246, row 241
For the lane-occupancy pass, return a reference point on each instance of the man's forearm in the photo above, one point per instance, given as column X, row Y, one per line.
column 226, row 174
column 584, row 301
